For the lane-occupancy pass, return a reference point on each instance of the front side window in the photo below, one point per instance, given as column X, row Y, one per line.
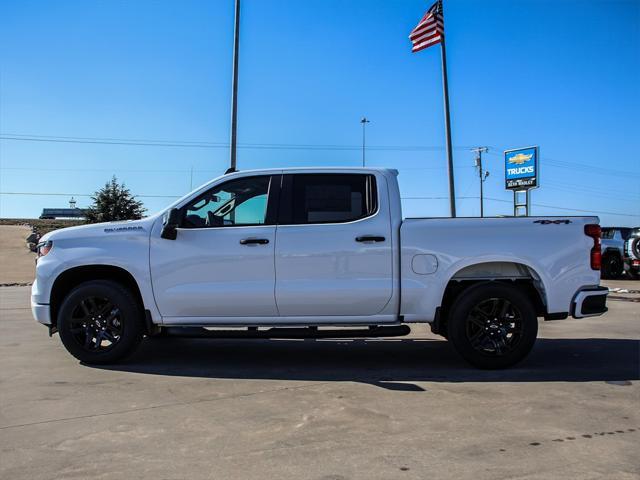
column 332, row 198
column 233, row 203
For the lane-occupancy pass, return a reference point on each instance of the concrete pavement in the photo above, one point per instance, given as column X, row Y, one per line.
column 404, row 408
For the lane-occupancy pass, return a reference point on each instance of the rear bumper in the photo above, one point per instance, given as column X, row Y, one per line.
column 632, row 265
column 590, row 302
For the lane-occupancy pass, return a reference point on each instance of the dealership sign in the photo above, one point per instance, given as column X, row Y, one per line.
column 521, row 168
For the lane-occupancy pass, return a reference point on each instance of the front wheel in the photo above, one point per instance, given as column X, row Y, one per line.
column 493, row 325
column 100, row 322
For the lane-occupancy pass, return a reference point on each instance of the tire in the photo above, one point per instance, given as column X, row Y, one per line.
column 100, row 322
column 635, row 247
column 493, row 325
column 612, row 266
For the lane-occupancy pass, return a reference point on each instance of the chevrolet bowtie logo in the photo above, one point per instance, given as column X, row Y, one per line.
column 520, row 158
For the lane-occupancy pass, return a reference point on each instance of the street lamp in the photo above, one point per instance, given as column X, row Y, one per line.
column 364, row 122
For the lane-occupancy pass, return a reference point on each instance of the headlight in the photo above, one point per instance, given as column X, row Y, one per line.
column 44, row 247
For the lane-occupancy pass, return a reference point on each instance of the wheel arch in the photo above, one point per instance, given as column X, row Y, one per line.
column 71, row 278
column 518, row 274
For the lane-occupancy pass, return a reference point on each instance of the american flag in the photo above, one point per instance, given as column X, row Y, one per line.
column 429, row 30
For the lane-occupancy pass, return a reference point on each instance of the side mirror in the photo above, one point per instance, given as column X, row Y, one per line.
column 169, row 229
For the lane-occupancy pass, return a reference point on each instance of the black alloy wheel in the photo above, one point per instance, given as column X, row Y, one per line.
column 493, row 324
column 100, row 322
column 494, row 327
column 96, row 324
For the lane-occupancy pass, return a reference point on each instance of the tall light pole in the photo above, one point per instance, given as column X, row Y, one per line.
column 234, row 89
column 364, row 122
column 481, row 173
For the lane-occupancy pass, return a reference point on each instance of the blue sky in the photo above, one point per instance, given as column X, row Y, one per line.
column 563, row 75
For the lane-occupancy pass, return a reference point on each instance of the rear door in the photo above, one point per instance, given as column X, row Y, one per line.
column 333, row 253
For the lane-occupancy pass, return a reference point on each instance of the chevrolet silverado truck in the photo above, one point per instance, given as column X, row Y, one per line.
column 314, row 253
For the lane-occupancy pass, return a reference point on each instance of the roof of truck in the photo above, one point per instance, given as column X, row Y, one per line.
column 317, row 169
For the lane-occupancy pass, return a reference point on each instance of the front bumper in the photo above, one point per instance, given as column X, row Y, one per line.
column 41, row 312
column 590, row 302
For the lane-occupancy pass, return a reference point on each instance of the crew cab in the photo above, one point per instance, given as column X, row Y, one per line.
column 320, row 252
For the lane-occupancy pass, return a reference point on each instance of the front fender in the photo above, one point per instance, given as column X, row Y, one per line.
column 127, row 251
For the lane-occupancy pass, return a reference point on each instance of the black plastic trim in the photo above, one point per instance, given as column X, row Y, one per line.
column 292, row 332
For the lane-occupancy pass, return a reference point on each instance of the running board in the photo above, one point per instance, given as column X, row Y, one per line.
column 284, row 332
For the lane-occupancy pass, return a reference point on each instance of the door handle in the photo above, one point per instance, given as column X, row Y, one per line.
column 254, row 241
column 370, row 238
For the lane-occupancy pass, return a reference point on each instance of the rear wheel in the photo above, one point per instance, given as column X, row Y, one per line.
column 493, row 325
column 100, row 322
column 612, row 266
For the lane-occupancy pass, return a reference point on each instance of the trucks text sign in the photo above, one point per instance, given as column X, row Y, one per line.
column 521, row 168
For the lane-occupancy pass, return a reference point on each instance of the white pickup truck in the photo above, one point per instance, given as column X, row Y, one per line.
column 320, row 252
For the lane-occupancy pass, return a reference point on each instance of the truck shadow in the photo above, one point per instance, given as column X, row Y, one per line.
column 389, row 363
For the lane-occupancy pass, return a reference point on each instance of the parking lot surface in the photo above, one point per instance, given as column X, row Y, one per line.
column 405, row 408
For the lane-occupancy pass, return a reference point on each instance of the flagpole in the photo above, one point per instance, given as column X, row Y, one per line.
column 447, row 120
column 234, row 88
column 447, row 130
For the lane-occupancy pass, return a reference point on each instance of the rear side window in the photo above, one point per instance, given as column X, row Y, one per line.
column 331, row 198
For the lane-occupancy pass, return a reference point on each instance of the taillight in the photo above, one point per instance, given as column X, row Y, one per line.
column 44, row 248
column 595, row 232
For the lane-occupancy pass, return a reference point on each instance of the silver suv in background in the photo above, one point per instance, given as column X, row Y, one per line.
column 620, row 251
column 632, row 253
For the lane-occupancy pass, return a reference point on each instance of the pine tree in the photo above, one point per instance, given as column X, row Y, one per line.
column 114, row 202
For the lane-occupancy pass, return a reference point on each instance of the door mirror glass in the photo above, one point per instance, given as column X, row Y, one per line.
column 171, row 223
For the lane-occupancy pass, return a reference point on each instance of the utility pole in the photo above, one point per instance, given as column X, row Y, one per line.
column 364, row 122
column 234, row 89
column 481, row 173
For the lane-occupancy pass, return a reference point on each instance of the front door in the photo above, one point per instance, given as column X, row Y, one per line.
column 333, row 251
column 222, row 261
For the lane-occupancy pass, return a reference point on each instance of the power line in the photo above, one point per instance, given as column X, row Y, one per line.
column 591, row 193
column 202, row 144
column 567, row 209
column 534, row 204
column 438, row 198
column 147, row 171
column 548, row 161
column 290, row 146
column 57, row 194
